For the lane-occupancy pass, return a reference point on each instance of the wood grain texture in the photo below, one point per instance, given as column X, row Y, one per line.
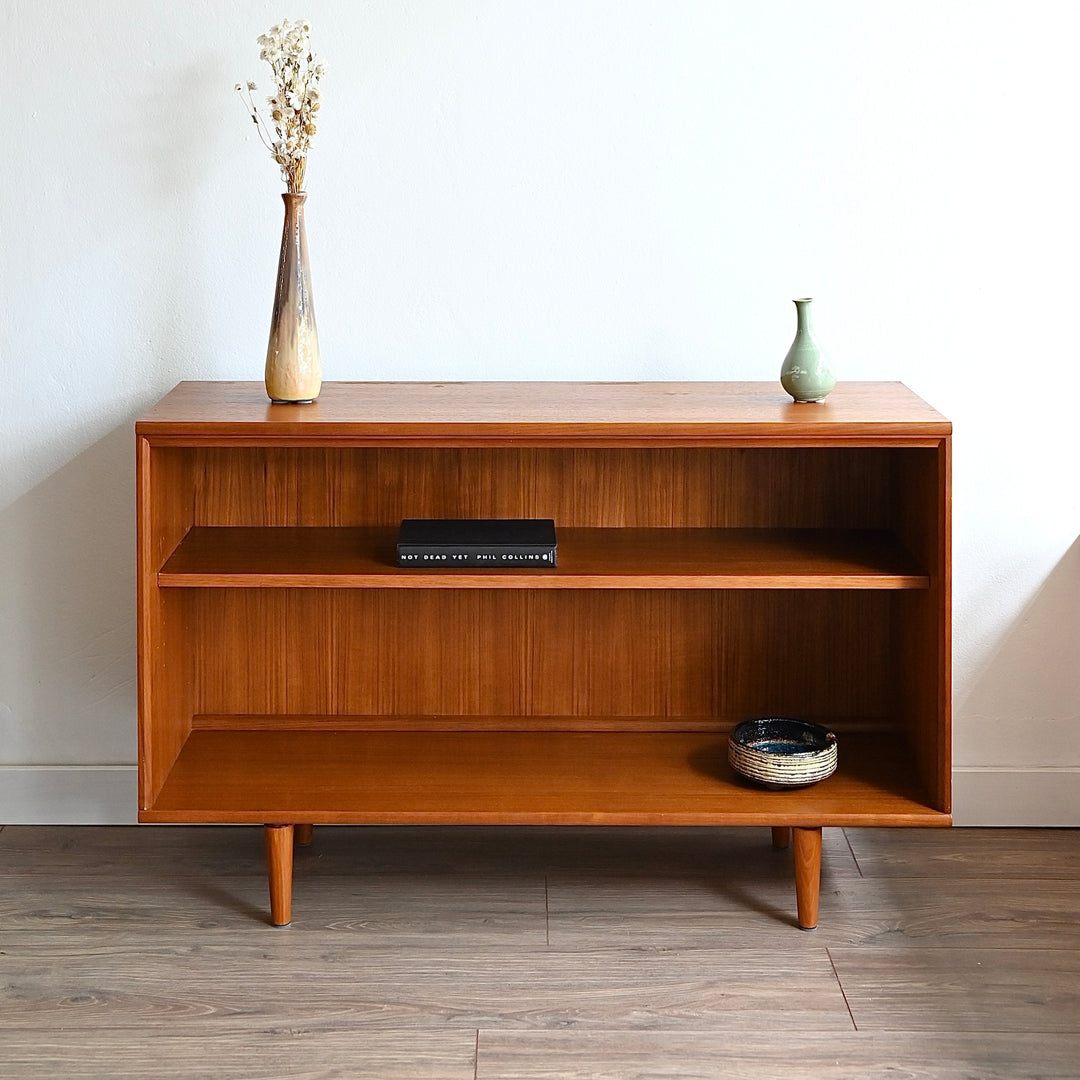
column 513, row 1055
column 1033, row 855
column 549, row 410
column 223, row 986
column 605, row 887
column 279, row 865
column 163, row 483
column 923, row 508
column 462, row 914
column 285, row 1050
column 343, row 557
column 516, row 777
column 806, row 844
column 697, row 905
column 166, row 688
column 399, row 889
column 697, row 658
column 642, row 487
column 1021, row 990
column 131, row 953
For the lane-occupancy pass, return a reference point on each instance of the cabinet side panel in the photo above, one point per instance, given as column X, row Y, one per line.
column 164, row 514
column 169, row 501
column 923, row 624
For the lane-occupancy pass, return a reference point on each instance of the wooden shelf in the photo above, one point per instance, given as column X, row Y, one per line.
column 520, row 777
column 312, row 557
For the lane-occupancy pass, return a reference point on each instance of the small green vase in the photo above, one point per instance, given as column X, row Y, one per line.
column 806, row 373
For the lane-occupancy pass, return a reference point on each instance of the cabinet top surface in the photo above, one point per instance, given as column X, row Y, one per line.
column 542, row 410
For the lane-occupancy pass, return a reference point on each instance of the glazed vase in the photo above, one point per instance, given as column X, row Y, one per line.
column 806, row 373
column 293, row 367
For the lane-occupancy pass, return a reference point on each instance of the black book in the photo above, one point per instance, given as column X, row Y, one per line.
column 499, row 543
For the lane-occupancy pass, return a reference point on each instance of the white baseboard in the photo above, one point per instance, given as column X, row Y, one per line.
column 107, row 795
column 1019, row 797
column 68, row 794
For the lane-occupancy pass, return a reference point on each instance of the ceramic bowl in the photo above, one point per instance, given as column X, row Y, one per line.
column 781, row 753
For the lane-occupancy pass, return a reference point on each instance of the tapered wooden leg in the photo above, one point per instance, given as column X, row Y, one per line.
column 279, row 862
column 781, row 837
column 807, row 844
column 304, row 834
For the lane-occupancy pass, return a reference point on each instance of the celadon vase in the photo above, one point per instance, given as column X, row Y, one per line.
column 293, row 365
column 806, row 373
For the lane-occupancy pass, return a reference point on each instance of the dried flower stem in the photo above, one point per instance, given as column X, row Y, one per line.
column 257, row 120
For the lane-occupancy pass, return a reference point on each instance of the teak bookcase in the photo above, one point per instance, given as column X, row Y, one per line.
column 723, row 553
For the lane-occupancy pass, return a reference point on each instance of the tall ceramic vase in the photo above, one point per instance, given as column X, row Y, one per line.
column 293, row 367
column 806, row 373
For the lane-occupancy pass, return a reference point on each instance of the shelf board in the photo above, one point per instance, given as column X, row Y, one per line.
column 519, row 777
column 589, row 558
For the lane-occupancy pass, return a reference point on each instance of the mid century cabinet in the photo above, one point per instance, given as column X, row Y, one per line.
column 723, row 554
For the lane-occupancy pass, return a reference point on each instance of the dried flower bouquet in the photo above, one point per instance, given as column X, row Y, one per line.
column 293, row 109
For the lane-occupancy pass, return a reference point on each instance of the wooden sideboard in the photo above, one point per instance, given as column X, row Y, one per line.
column 723, row 553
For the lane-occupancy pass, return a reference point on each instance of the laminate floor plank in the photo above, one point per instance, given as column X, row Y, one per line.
column 280, row 1053
column 271, row 977
column 573, row 1055
column 588, row 909
column 961, row 990
column 1030, row 854
column 467, row 911
column 134, row 852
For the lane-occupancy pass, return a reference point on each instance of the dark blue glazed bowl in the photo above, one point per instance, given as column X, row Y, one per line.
column 781, row 753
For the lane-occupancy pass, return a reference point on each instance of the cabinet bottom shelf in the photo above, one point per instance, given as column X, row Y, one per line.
column 481, row 777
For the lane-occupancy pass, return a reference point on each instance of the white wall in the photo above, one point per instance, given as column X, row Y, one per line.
column 604, row 189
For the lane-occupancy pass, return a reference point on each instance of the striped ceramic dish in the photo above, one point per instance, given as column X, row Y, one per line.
column 782, row 753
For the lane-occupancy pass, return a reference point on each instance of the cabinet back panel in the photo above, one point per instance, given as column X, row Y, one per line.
column 803, row 488
column 612, row 654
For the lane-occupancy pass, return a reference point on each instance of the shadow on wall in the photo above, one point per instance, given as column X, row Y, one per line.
column 1022, row 708
column 67, row 613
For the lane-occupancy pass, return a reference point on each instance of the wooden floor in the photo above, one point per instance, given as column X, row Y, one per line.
column 502, row 954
